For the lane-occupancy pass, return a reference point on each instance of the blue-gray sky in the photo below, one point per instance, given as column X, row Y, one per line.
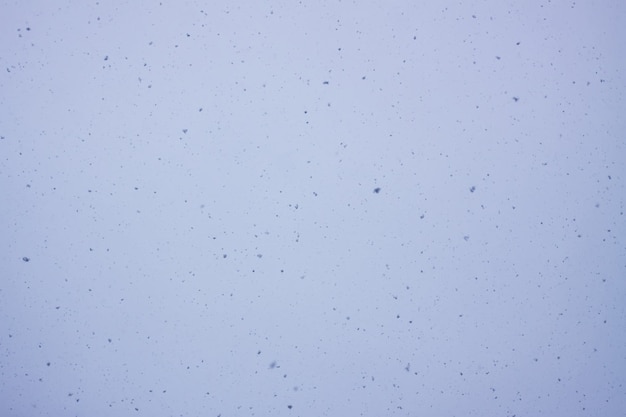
column 312, row 208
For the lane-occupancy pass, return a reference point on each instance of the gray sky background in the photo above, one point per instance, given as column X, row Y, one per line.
column 191, row 225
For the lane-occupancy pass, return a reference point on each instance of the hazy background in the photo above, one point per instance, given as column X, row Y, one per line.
column 325, row 208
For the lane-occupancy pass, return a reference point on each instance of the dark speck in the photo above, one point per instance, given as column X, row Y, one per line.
column 290, row 406
column 273, row 365
column 26, row 259
column 516, row 99
column 377, row 190
column 472, row 189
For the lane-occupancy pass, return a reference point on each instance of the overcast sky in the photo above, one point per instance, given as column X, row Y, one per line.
column 329, row 208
